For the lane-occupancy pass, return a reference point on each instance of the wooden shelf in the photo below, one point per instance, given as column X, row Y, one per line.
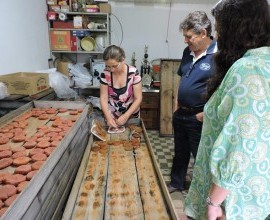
column 77, row 51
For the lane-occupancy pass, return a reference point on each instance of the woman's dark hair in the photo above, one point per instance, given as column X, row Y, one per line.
column 114, row 52
column 240, row 25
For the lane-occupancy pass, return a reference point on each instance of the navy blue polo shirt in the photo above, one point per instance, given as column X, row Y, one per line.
column 192, row 86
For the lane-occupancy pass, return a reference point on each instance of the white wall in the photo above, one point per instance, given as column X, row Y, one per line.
column 24, row 43
column 147, row 24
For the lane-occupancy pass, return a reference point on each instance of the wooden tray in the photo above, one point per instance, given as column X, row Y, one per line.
column 46, row 194
column 126, row 184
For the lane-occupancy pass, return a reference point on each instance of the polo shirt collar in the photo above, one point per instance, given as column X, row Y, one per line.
column 212, row 48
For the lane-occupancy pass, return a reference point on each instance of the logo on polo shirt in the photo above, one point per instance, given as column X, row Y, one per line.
column 205, row 66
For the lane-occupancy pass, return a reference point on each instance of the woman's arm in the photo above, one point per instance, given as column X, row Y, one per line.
column 216, row 196
column 137, row 89
column 104, row 105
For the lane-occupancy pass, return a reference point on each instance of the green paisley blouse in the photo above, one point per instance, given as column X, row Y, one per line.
column 234, row 150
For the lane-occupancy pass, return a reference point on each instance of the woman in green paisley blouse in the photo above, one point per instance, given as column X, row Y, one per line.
column 231, row 178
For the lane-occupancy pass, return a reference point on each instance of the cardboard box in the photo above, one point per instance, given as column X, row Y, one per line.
column 63, row 40
column 52, row 15
column 105, row 8
column 63, row 24
column 25, row 83
column 77, row 21
column 62, row 67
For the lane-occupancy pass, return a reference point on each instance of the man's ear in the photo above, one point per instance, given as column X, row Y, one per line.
column 204, row 33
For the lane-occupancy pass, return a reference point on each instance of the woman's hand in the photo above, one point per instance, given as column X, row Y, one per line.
column 111, row 122
column 121, row 120
column 213, row 213
column 199, row 116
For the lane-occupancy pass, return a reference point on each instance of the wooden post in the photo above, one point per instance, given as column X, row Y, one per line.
column 168, row 86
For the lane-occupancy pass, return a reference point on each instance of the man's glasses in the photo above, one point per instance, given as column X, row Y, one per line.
column 112, row 67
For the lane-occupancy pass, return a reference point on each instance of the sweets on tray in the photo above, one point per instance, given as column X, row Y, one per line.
column 120, row 182
column 26, row 143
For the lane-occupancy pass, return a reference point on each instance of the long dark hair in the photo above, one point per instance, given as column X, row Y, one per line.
column 240, row 25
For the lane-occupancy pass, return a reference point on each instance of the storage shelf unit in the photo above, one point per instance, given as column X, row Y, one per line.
column 66, row 34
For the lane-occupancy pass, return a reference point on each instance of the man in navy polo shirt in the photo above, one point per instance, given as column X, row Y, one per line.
column 196, row 67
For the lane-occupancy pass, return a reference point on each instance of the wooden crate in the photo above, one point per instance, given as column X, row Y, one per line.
column 100, row 187
column 45, row 195
column 169, row 80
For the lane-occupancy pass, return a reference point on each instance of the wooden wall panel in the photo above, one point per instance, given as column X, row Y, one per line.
column 168, row 86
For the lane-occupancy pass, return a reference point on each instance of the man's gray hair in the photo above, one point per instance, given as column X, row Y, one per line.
column 197, row 21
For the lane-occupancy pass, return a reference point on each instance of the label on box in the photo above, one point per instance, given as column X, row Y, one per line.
column 51, row 15
column 63, row 40
column 81, row 33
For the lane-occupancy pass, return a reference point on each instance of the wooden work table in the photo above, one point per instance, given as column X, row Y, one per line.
column 13, row 102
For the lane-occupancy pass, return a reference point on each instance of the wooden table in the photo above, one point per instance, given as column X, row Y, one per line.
column 13, row 102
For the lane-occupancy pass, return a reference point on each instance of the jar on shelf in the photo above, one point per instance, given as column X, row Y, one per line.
column 74, row 5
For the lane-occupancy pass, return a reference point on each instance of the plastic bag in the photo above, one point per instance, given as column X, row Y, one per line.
column 60, row 84
column 81, row 76
column 3, row 91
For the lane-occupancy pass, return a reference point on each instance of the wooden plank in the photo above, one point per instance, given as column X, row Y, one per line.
column 153, row 205
column 40, row 95
column 123, row 194
column 15, row 101
column 60, row 190
column 14, row 97
column 60, row 177
column 69, row 209
column 165, row 194
column 168, row 87
column 14, row 114
column 90, row 201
